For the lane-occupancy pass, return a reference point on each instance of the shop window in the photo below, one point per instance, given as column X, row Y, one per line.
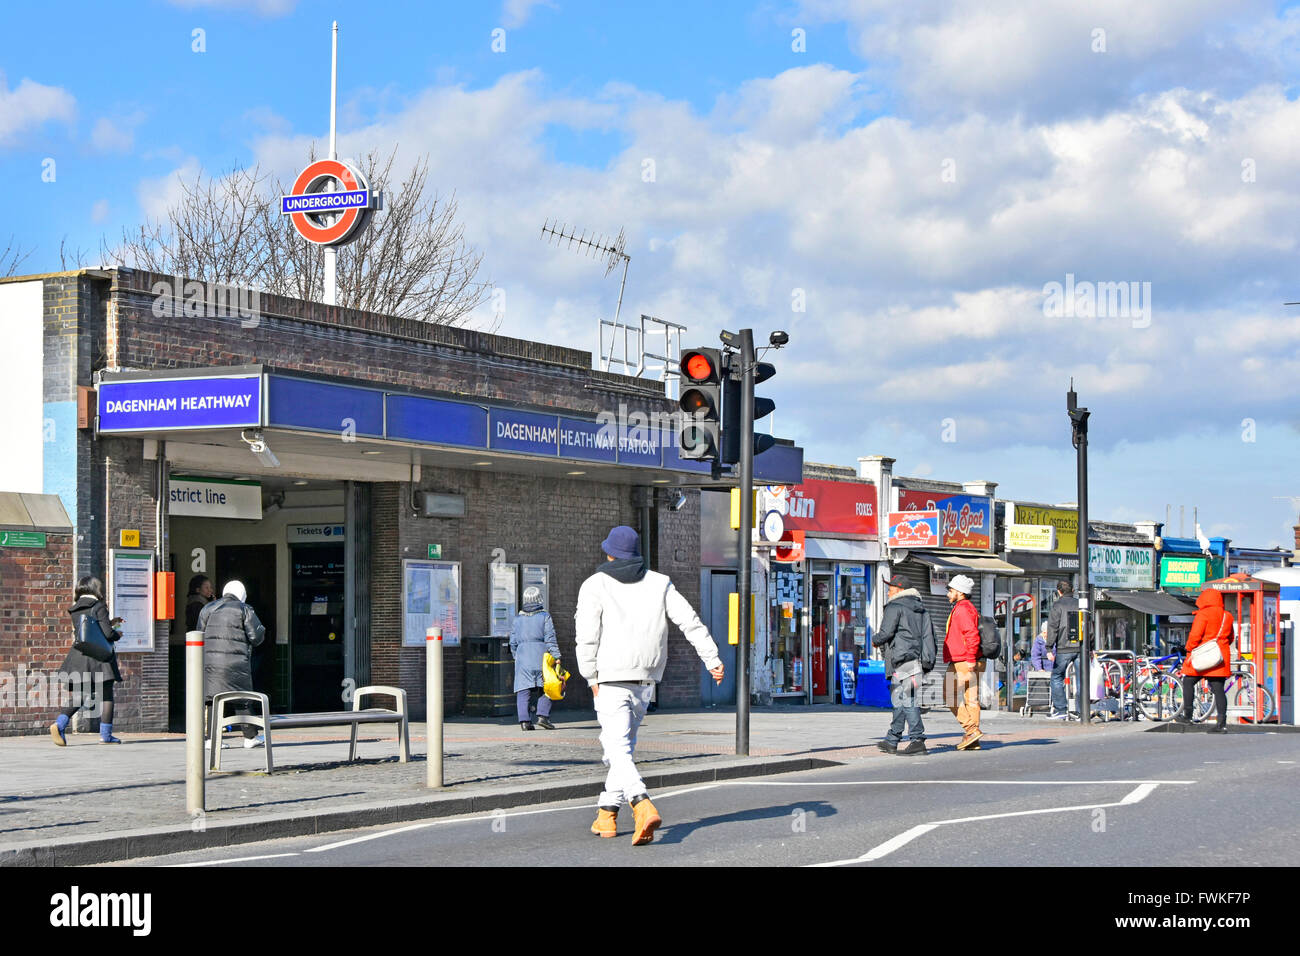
column 785, row 605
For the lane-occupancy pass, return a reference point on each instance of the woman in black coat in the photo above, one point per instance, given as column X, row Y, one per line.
column 84, row 673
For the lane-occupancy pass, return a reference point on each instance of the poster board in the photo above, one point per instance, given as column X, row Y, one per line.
column 536, row 576
column 130, row 597
column 503, row 597
column 430, row 598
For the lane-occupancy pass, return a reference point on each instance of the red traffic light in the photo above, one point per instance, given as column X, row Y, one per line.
column 698, row 367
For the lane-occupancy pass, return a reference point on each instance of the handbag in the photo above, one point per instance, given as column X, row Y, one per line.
column 1207, row 656
column 906, row 670
column 89, row 638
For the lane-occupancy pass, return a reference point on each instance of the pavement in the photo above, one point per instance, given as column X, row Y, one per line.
column 91, row 803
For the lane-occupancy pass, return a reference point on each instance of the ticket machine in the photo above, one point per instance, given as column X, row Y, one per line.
column 1253, row 603
column 1288, row 610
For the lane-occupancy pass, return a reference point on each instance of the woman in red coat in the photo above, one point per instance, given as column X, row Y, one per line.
column 1212, row 623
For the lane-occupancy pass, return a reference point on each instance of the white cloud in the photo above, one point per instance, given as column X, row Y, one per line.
column 116, row 135
column 515, row 13
column 264, row 8
column 31, row 104
column 99, row 211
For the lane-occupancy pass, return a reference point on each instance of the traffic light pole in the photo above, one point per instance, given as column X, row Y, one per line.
column 1079, row 422
column 745, row 543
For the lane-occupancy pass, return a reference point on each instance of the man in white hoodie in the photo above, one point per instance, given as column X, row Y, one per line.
column 622, row 648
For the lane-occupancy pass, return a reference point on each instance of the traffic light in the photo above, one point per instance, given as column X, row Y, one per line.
column 700, row 437
column 731, row 408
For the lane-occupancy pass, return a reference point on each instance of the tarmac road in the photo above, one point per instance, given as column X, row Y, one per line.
column 1086, row 801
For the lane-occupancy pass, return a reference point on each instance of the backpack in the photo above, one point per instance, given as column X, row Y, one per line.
column 990, row 641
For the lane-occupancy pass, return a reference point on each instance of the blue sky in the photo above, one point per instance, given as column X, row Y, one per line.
column 916, row 176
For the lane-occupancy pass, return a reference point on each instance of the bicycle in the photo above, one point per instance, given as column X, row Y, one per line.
column 1158, row 696
column 1239, row 690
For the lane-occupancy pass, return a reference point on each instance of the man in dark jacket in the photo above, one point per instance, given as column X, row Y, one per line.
column 230, row 632
column 907, row 636
column 1063, row 644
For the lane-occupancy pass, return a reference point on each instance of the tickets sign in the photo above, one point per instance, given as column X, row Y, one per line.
column 914, row 529
column 965, row 521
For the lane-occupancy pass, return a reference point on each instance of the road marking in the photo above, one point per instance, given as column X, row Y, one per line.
column 889, row 846
column 1065, row 761
column 479, row 817
column 1286, row 761
column 981, row 783
column 242, row 859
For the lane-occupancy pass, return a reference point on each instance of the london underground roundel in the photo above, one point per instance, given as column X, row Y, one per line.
column 329, row 203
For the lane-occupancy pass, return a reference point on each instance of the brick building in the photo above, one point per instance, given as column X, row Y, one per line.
column 243, row 435
column 36, row 581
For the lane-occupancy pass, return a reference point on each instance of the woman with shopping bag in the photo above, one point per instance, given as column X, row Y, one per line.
column 1209, row 657
column 90, row 669
column 532, row 635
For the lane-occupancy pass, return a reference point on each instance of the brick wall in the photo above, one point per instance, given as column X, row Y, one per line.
column 35, row 634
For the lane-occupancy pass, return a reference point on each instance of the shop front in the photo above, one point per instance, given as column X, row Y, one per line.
column 819, row 596
column 1121, row 567
column 938, row 530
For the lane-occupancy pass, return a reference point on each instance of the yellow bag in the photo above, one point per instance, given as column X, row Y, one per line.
column 554, row 677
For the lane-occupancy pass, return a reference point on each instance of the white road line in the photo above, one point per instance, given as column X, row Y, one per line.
column 980, row 783
column 1286, row 761
column 480, row 817
column 889, row 846
column 241, row 859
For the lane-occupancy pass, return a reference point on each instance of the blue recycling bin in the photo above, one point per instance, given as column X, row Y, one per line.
column 873, row 689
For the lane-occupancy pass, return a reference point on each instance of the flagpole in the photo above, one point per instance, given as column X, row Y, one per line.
column 331, row 254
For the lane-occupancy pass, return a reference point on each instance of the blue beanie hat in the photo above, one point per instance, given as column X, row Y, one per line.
column 622, row 543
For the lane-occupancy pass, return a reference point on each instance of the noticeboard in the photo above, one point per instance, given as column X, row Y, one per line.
column 130, row 597
column 536, row 576
column 503, row 597
column 430, row 598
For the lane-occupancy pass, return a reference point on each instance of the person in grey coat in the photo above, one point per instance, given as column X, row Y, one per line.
column 906, row 635
column 532, row 634
column 83, row 674
column 230, row 632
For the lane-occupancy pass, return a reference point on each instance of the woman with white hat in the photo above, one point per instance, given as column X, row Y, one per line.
column 532, row 634
column 230, row 632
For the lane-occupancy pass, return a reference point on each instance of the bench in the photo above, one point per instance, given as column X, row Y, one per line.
column 222, row 714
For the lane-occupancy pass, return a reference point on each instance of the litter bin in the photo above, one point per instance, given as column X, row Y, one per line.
column 489, row 677
column 872, row 689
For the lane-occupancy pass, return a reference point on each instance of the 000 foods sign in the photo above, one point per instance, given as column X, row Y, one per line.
column 1111, row 566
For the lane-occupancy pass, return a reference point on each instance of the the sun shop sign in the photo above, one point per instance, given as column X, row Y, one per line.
column 965, row 521
column 829, row 507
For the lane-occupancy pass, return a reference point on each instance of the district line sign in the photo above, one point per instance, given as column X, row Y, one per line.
column 333, row 217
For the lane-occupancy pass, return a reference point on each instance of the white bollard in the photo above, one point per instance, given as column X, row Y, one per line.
column 194, row 769
column 433, row 703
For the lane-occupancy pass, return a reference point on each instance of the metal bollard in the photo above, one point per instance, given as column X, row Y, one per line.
column 433, row 703
column 194, row 769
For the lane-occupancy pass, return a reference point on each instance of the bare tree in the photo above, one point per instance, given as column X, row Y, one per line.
column 11, row 257
column 411, row 261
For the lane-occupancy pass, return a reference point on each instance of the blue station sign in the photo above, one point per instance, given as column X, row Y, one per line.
column 175, row 404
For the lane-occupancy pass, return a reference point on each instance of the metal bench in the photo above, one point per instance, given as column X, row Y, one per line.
column 222, row 714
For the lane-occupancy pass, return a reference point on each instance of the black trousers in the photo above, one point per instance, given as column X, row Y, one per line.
column 1216, row 688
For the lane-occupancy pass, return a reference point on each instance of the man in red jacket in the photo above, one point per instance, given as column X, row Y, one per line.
column 961, row 650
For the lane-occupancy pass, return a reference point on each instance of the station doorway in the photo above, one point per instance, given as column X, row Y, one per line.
column 292, row 555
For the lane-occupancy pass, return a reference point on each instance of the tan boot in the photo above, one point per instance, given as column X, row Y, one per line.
column 57, row 736
column 647, row 821
column 606, row 824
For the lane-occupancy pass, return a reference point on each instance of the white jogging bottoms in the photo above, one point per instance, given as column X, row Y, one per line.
column 620, row 708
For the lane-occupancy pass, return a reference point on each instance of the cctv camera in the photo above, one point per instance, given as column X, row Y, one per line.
column 778, row 339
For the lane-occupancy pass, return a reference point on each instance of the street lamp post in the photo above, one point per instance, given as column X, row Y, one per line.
column 1079, row 424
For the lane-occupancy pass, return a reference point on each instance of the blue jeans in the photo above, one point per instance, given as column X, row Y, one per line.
column 523, row 704
column 1063, row 661
column 907, row 710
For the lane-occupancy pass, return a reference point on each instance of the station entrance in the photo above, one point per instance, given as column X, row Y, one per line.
column 286, row 539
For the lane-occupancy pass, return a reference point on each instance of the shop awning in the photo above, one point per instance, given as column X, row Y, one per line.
column 951, row 562
column 1149, row 602
column 841, row 549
